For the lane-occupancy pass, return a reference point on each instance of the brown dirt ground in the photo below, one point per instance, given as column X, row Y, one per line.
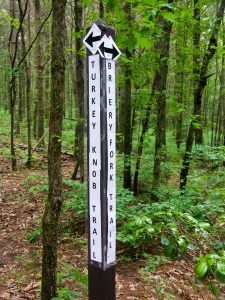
column 20, row 261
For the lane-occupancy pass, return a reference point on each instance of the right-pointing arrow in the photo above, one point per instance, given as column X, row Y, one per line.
column 112, row 50
column 108, row 49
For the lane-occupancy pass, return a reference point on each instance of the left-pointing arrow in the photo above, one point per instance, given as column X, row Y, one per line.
column 93, row 38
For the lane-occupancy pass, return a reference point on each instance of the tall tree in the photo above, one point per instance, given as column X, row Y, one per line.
column 127, row 109
column 28, row 87
column 222, row 83
column 12, row 46
column 13, row 53
column 40, row 73
column 181, row 43
column 196, row 71
column 202, row 81
column 162, row 47
column 79, row 93
column 54, row 203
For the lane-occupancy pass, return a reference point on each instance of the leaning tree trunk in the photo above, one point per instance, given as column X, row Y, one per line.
column 53, row 205
column 162, row 47
column 79, row 95
column 212, row 46
column 196, row 72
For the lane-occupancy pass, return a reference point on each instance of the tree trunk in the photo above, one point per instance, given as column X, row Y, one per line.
column 21, row 98
column 40, row 74
column 162, row 47
column 127, row 111
column 222, row 82
column 79, row 96
column 212, row 46
column 179, row 87
column 12, row 84
column 28, row 89
column 54, row 203
column 101, row 9
column 213, row 104
column 196, row 71
column 121, row 123
column 145, row 124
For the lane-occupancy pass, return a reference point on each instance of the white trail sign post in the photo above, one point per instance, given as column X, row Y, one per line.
column 102, row 53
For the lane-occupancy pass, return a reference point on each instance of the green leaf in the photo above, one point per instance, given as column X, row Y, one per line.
column 168, row 249
column 183, row 245
column 169, row 16
column 214, row 289
column 211, row 262
column 169, row 5
column 201, row 269
column 111, row 4
column 220, row 268
column 205, row 226
column 212, row 256
column 164, row 240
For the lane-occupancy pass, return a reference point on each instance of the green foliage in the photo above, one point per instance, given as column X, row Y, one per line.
column 75, row 199
column 137, row 232
column 39, row 188
column 211, row 265
column 209, row 156
column 70, row 273
column 154, row 262
column 67, row 294
column 140, row 231
column 35, row 234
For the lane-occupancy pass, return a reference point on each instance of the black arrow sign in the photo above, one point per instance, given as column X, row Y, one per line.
column 91, row 39
column 112, row 50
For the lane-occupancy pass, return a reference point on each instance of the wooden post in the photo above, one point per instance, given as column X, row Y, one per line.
column 102, row 53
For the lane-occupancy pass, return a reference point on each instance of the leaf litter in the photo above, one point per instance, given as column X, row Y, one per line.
column 20, row 261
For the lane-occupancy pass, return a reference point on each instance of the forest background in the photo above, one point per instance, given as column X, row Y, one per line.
column 170, row 125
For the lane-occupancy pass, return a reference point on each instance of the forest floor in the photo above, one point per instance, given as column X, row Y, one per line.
column 20, row 261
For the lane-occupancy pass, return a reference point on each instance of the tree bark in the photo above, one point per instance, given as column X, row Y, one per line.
column 162, row 47
column 196, row 72
column 213, row 104
column 127, row 111
column 212, row 46
column 79, row 96
column 179, row 86
column 28, row 89
column 222, row 82
column 12, row 83
column 53, row 206
column 145, row 124
column 101, row 9
column 40, row 73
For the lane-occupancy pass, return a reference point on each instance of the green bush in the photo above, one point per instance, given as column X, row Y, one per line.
column 211, row 265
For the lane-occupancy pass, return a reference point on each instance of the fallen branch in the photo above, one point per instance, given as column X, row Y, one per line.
column 39, row 141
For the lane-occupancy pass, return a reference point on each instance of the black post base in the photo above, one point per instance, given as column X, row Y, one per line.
column 101, row 283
